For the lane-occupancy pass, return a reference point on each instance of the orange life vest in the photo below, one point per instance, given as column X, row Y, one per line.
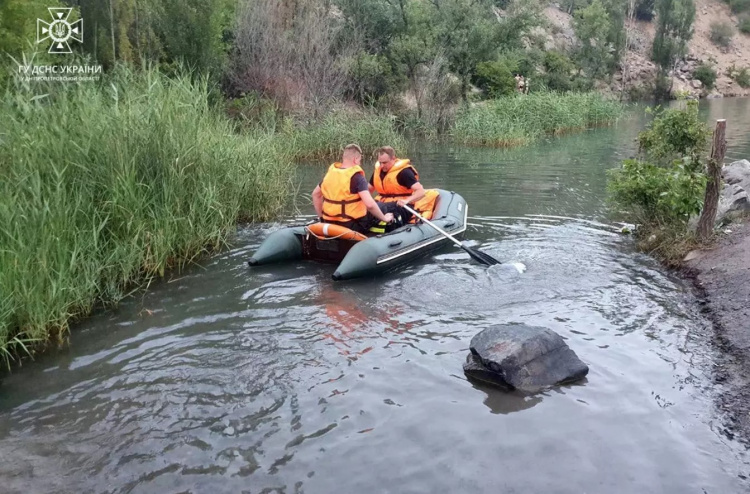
column 390, row 190
column 339, row 204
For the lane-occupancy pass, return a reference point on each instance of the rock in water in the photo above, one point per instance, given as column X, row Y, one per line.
column 522, row 357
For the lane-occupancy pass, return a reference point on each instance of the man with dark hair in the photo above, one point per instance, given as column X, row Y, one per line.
column 343, row 197
column 397, row 181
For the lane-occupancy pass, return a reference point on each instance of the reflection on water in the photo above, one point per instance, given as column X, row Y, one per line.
column 277, row 379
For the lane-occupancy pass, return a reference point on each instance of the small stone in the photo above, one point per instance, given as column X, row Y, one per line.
column 229, row 431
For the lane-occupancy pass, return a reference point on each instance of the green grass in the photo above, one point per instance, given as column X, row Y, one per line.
column 520, row 119
column 103, row 187
column 327, row 138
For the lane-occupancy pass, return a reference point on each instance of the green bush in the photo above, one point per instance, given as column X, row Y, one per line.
column 721, row 33
column 741, row 76
column 706, row 74
column 370, row 77
column 658, row 193
column 495, row 78
column 644, row 10
column 675, row 134
column 744, row 25
column 667, row 182
column 662, row 87
column 558, row 69
column 739, row 6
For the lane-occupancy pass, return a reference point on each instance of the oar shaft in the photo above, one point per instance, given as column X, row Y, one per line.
column 433, row 225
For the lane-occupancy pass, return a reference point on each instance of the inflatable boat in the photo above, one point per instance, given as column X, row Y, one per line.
column 358, row 255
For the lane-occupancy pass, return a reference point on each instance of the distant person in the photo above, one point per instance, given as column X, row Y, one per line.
column 521, row 84
column 343, row 197
column 396, row 180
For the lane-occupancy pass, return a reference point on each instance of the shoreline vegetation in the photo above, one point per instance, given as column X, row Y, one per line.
column 105, row 187
column 198, row 121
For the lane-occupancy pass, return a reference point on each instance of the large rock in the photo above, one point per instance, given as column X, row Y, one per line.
column 517, row 356
column 734, row 197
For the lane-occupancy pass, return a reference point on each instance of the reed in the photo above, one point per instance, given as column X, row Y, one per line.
column 521, row 119
column 327, row 137
column 103, row 187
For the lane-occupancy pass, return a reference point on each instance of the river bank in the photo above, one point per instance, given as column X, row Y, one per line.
column 721, row 277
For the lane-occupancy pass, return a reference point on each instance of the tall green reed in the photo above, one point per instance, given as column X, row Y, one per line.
column 103, row 186
column 521, row 119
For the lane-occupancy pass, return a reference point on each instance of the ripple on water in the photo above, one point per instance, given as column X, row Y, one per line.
column 285, row 380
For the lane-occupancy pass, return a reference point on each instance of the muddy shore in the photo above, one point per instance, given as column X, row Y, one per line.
column 721, row 277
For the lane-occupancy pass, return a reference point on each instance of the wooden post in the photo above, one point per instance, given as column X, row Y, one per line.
column 713, row 188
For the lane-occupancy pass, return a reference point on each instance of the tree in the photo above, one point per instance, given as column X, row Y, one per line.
column 674, row 29
column 466, row 32
column 592, row 26
column 18, row 24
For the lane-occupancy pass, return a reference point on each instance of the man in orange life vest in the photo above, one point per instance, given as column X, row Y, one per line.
column 343, row 197
column 396, row 180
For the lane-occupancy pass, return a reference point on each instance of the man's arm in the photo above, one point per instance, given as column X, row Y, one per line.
column 372, row 207
column 317, row 198
column 417, row 194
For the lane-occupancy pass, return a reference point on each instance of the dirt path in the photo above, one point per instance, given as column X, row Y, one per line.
column 722, row 278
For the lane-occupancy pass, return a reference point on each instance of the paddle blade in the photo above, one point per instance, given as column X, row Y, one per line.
column 481, row 257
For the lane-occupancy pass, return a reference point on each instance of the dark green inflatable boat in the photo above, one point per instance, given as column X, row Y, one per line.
column 371, row 256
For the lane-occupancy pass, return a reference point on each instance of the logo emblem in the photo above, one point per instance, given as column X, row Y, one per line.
column 59, row 30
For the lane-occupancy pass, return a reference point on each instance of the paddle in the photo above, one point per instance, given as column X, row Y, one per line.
column 477, row 255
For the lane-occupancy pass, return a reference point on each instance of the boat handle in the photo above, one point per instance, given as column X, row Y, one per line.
column 395, row 243
column 449, row 225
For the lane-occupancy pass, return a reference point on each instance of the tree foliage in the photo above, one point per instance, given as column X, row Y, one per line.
column 674, row 28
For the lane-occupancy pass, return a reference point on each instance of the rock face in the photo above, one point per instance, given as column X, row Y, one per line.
column 516, row 356
column 734, row 195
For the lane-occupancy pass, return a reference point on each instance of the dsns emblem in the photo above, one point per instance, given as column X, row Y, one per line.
column 59, row 31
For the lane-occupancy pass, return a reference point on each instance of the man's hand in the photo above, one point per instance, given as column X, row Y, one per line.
column 388, row 217
column 402, row 202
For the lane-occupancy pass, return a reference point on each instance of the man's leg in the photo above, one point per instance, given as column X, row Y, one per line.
column 400, row 215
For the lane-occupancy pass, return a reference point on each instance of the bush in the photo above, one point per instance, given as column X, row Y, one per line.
column 743, row 78
column 662, row 87
column 739, row 6
column 370, row 77
column 665, row 185
column 496, row 78
column 706, row 74
column 644, row 10
column 675, row 135
column 721, row 33
column 745, row 24
column 558, row 69
column 740, row 76
column 658, row 194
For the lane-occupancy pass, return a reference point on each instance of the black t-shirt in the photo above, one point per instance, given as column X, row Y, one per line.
column 357, row 184
column 405, row 178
